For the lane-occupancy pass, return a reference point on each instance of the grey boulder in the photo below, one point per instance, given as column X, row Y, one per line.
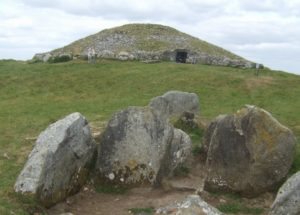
column 192, row 204
column 288, row 197
column 249, row 152
column 59, row 163
column 175, row 103
column 42, row 57
column 180, row 148
column 138, row 146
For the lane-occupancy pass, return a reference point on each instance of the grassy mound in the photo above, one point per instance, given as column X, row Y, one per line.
column 145, row 37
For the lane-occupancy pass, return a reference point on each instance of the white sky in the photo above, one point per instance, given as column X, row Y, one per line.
column 264, row 31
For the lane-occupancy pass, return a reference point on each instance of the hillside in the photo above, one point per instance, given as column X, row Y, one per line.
column 150, row 42
column 34, row 95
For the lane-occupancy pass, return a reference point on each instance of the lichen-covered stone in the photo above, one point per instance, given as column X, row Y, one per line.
column 175, row 103
column 192, row 204
column 249, row 152
column 59, row 163
column 288, row 197
column 136, row 147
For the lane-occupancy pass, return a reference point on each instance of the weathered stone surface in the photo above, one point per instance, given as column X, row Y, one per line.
column 46, row 57
column 42, row 57
column 288, row 197
column 210, row 131
column 58, row 164
column 175, row 103
column 192, row 204
column 180, row 149
column 106, row 54
column 249, row 152
column 138, row 146
column 123, row 56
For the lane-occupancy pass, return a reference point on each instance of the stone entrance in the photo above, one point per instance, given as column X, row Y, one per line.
column 181, row 56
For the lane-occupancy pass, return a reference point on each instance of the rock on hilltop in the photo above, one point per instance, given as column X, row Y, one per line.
column 149, row 42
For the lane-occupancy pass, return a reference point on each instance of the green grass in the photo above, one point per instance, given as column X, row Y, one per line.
column 195, row 133
column 110, row 189
column 34, row 95
column 235, row 208
column 230, row 196
column 181, row 170
column 235, row 204
column 149, row 210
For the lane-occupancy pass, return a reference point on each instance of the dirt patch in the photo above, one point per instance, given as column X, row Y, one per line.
column 89, row 202
column 260, row 81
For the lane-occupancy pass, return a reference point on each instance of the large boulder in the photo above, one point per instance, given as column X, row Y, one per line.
column 175, row 103
column 59, row 163
column 192, row 204
column 288, row 197
column 138, row 146
column 249, row 152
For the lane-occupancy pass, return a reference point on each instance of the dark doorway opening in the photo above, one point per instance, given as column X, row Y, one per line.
column 181, row 57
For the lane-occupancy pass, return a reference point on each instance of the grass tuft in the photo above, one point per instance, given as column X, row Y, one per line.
column 235, row 208
column 111, row 189
column 149, row 210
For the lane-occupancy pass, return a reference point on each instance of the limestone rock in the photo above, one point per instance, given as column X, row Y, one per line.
column 175, row 103
column 46, row 57
column 123, row 56
column 42, row 57
column 106, row 54
column 288, row 197
column 58, row 164
column 136, row 147
column 249, row 152
column 192, row 204
column 180, row 149
column 210, row 131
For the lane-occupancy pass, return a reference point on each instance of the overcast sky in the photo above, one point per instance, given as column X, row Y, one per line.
column 264, row 31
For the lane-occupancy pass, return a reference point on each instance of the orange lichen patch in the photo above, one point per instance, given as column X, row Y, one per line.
column 267, row 130
column 255, row 82
column 266, row 138
column 132, row 164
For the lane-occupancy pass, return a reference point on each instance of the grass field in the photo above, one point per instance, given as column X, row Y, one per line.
column 34, row 95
